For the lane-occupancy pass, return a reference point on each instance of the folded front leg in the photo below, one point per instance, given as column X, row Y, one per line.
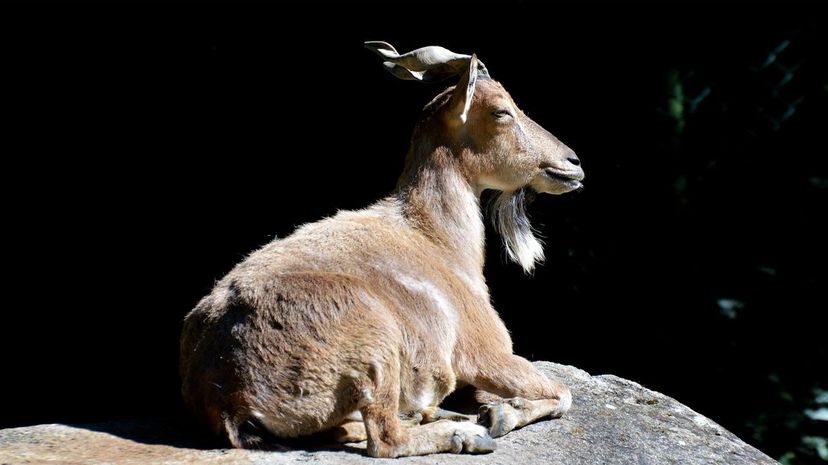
column 517, row 394
column 508, row 414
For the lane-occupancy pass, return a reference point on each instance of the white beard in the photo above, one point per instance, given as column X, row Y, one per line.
column 508, row 215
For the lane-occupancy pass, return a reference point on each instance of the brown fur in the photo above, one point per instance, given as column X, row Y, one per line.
column 385, row 310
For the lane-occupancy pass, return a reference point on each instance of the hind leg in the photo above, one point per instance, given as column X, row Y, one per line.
column 387, row 437
column 350, row 431
column 354, row 430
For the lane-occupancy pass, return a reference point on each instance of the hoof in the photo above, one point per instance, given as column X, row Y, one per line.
column 483, row 445
column 499, row 418
column 472, row 441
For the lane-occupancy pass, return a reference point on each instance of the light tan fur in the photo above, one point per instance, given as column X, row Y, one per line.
column 382, row 312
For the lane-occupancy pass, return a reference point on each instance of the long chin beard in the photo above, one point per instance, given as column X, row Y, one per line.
column 508, row 215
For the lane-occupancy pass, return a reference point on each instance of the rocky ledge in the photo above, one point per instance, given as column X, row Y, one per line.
column 612, row 421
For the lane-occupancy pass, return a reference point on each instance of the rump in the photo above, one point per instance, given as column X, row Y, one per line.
column 293, row 352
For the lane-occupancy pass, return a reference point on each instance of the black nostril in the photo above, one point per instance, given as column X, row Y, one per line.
column 574, row 161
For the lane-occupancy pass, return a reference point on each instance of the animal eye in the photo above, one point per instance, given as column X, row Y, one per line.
column 500, row 114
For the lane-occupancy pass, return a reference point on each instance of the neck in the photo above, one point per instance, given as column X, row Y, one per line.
column 438, row 199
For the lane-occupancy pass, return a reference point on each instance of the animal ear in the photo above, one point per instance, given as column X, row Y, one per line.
column 463, row 93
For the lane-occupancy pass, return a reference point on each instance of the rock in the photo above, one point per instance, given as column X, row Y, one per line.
column 612, row 421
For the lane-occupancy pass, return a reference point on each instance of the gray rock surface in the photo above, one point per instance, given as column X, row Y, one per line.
column 613, row 421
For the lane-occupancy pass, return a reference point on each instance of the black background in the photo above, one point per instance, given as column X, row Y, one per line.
column 147, row 150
